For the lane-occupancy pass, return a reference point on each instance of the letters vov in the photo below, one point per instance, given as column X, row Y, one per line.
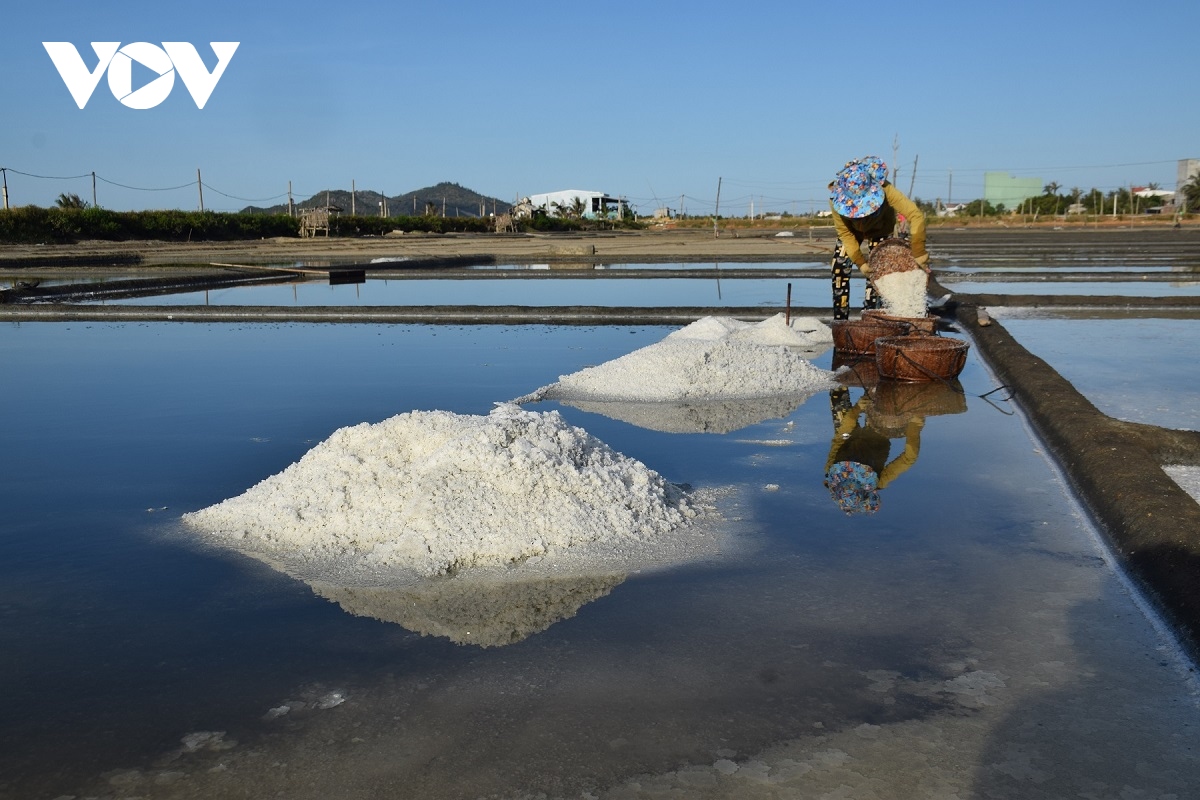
column 118, row 61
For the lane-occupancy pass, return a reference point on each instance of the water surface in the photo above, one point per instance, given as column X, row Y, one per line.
column 967, row 639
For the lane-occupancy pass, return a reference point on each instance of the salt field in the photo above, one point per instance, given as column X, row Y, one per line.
column 1138, row 373
column 971, row 638
column 716, row 291
column 1180, row 288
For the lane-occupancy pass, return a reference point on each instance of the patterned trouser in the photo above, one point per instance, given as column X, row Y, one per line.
column 839, row 404
column 841, row 269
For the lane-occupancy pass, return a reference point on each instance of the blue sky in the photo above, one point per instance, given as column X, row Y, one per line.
column 650, row 101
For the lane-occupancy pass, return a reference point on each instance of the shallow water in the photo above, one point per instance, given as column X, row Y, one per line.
column 1139, row 370
column 716, row 292
column 968, row 639
column 1125, row 289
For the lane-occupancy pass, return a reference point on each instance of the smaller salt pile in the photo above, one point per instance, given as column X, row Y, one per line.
column 901, row 282
column 714, row 358
column 431, row 492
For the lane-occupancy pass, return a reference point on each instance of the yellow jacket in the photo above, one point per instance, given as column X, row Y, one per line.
column 881, row 225
column 864, row 444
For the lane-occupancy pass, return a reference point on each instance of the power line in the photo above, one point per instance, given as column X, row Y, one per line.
column 49, row 177
column 244, row 199
column 188, row 185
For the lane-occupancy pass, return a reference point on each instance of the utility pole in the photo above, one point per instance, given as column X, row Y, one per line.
column 353, row 189
column 4, row 178
column 717, row 211
column 950, row 188
column 913, row 179
column 291, row 203
column 200, row 188
column 895, row 149
column 94, row 190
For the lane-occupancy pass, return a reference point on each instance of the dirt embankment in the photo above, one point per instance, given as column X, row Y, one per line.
column 618, row 247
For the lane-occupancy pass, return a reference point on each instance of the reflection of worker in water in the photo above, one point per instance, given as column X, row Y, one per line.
column 866, row 208
column 858, row 465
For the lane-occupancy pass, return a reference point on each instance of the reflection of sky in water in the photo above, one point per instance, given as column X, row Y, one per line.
column 724, row 266
column 1049, row 268
column 714, row 292
column 1146, row 289
column 972, row 615
column 1140, row 370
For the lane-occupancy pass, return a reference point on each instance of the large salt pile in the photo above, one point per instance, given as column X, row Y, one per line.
column 434, row 491
column 713, row 358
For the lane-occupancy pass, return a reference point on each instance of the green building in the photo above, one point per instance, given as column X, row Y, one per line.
column 1000, row 188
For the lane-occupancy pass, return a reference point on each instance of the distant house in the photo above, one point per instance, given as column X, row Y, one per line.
column 590, row 205
column 949, row 209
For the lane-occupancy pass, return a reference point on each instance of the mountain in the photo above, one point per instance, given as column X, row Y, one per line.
column 450, row 198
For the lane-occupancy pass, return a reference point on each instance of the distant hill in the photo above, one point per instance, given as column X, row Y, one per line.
column 445, row 198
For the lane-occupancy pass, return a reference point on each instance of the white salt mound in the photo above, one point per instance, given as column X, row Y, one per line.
column 713, row 358
column 904, row 293
column 434, row 491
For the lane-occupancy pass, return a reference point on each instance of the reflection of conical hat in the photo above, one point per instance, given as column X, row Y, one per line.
column 487, row 613
column 854, row 487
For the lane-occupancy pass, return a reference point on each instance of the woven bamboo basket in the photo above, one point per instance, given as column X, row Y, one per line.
column 911, row 325
column 859, row 335
column 891, row 255
column 920, row 358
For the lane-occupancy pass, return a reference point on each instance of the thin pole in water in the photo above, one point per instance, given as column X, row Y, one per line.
column 787, row 318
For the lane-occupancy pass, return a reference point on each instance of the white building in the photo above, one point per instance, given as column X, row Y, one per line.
column 1188, row 169
column 558, row 204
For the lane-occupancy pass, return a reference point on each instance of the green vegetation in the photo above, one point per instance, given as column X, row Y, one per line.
column 69, row 223
column 346, row 225
column 71, row 200
column 1191, row 194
